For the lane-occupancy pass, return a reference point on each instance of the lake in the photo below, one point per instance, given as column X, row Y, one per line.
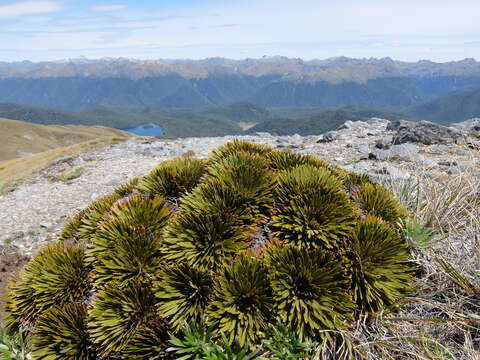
column 146, row 130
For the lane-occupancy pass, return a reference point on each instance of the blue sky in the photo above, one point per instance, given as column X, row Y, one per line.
column 440, row 30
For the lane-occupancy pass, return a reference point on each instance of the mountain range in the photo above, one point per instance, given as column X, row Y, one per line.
column 217, row 96
column 270, row 81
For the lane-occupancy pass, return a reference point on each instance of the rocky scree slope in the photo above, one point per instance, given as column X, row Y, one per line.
column 34, row 211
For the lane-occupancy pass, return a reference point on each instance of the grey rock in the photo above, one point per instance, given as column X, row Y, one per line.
column 296, row 138
column 471, row 124
column 263, row 134
column 89, row 157
column 437, row 149
column 21, row 195
column 393, row 172
column 113, row 182
column 363, row 148
column 396, row 151
column 398, row 124
column 24, row 153
column 360, row 167
column 328, row 137
column 424, row 132
column 447, row 163
column 384, row 143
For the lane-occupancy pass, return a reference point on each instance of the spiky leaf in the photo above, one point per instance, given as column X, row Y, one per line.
column 378, row 264
column 183, row 292
column 204, row 240
column 61, row 333
column 173, row 178
column 310, row 290
column 376, row 200
column 312, row 208
column 235, row 147
column 118, row 315
column 55, row 276
column 242, row 302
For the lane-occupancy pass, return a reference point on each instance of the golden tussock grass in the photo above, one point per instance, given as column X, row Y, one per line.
column 440, row 319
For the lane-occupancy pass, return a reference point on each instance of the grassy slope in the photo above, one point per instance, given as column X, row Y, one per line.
column 22, row 137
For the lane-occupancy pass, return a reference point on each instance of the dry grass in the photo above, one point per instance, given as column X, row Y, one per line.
column 18, row 137
column 13, row 171
column 441, row 318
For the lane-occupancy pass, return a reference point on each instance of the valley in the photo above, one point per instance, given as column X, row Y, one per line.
column 217, row 97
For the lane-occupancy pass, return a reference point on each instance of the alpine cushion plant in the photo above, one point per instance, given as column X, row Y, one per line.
column 310, row 290
column 183, row 293
column 244, row 239
column 242, row 302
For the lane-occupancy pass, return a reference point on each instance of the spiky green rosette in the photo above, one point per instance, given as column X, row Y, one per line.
column 173, row 178
column 55, row 277
column 241, row 240
column 119, row 314
column 310, row 289
column 61, row 333
column 313, row 209
column 128, row 242
column 379, row 265
column 204, row 240
column 237, row 146
column 242, row 302
column 374, row 199
column 183, row 293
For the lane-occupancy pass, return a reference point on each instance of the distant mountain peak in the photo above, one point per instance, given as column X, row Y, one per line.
column 333, row 70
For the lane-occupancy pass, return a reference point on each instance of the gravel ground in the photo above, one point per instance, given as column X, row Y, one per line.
column 36, row 210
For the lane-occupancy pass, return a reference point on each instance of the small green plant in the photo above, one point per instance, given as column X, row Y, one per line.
column 418, row 236
column 71, row 174
column 282, row 343
column 196, row 340
column 199, row 342
column 13, row 347
column 226, row 350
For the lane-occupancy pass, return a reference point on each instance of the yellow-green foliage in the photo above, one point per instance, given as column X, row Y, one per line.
column 242, row 302
column 56, row 276
column 183, row 293
column 310, row 289
column 242, row 239
column 172, row 178
column 61, row 333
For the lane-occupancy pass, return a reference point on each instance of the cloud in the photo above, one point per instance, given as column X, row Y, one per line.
column 22, row 8
column 105, row 8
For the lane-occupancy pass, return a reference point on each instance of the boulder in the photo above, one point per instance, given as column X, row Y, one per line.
column 328, row 137
column 424, row 132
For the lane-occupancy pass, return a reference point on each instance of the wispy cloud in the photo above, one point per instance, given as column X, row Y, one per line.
column 406, row 30
column 107, row 8
column 22, row 8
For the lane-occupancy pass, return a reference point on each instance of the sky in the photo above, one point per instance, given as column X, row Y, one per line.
column 409, row 30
